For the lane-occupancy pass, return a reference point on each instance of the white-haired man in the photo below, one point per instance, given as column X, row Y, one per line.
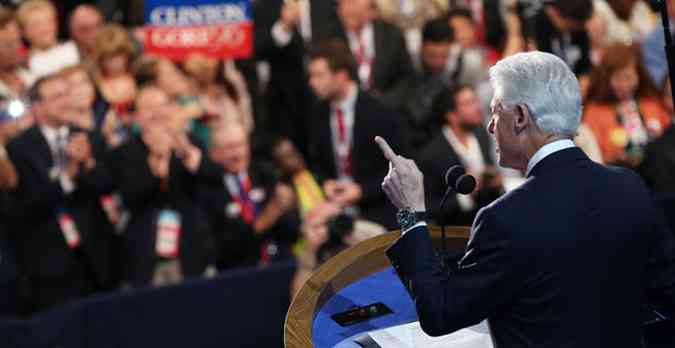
column 562, row 261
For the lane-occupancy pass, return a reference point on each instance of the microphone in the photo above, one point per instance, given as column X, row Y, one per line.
column 457, row 180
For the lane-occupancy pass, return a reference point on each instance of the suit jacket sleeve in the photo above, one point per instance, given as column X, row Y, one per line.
column 485, row 278
column 137, row 185
column 36, row 196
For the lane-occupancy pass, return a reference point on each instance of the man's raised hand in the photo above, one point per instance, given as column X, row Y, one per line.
column 404, row 184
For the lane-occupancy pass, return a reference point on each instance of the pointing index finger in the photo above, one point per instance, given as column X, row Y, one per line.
column 386, row 149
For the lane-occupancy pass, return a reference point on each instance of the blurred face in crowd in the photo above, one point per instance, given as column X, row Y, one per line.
column 115, row 65
column 202, row 68
column 53, row 106
column 467, row 112
column 84, row 24
column 10, row 41
column 435, row 56
column 153, row 108
column 624, row 82
column 81, row 90
column 40, row 29
column 355, row 14
column 171, row 80
column 465, row 31
column 230, row 148
column 288, row 158
column 322, row 80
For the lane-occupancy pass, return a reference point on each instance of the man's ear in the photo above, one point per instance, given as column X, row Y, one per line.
column 522, row 118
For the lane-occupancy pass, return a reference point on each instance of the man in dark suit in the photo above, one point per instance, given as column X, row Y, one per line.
column 158, row 173
column 57, row 221
column 284, row 31
column 379, row 48
column 342, row 127
column 462, row 140
column 566, row 259
column 558, row 27
column 248, row 211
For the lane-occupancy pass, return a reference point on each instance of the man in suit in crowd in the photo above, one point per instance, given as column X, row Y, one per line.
column 342, row 127
column 462, row 140
column 566, row 259
column 57, row 221
column 158, row 173
column 379, row 48
column 248, row 211
column 559, row 28
column 416, row 96
column 284, row 32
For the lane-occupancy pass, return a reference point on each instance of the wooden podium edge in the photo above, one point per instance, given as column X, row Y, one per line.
column 343, row 269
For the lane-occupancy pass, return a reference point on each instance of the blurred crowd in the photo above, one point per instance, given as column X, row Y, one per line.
column 120, row 169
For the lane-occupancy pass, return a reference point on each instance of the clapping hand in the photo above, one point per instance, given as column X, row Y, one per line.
column 188, row 153
column 404, row 184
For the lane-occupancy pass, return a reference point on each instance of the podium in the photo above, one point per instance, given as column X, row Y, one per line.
column 358, row 276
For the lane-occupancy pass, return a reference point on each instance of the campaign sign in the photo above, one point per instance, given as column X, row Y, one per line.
column 217, row 28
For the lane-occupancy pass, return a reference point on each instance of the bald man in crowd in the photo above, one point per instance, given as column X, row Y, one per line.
column 250, row 213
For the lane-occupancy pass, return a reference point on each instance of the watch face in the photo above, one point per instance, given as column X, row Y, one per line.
column 405, row 217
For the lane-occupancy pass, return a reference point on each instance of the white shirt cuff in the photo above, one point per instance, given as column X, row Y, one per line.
column 419, row 224
column 280, row 35
column 466, row 203
column 67, row 183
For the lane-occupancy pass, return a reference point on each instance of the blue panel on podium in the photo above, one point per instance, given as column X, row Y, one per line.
column 383, row 286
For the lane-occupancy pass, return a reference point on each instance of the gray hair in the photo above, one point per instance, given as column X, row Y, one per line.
column 545, row 84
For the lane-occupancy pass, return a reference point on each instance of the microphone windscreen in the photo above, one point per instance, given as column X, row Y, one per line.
column 452, row 174
column 466, row 184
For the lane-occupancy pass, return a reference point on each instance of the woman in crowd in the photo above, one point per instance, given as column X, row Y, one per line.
column 623, row 109
column 112, row 58
column 221, row 88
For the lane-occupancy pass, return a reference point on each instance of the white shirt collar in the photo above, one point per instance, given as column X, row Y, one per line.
column 547, row 150
column 52, row 133
column 349, row 101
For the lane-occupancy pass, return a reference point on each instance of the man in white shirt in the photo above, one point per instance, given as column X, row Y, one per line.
column 462, row 140
column 379, row 48
column 342, row 126
column 547, row 262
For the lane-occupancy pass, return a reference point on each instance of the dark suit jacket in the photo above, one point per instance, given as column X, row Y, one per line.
column 235, row 241
column 41, row 248
column 545, row 34
column 658, row 166
column 562, row 261
column 288, row 92
column 143, row 195
column 434, row 160
column 368, row 164
column 392, row 65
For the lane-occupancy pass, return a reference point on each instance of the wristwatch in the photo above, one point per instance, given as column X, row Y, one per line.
column 407, row 218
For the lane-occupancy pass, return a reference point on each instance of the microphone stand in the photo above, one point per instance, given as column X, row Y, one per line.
column 444, row 247
column 669, row 44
